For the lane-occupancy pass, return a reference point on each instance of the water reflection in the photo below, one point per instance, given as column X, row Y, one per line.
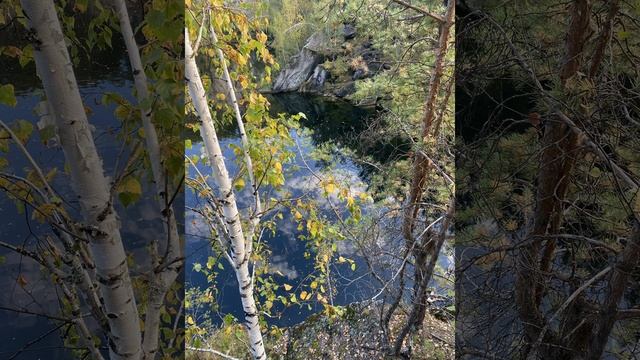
column 24, row 286
column 340, row 124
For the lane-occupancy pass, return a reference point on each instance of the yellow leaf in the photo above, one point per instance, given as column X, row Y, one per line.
column 329, row 187
column 131, row 185
column 288, row 287
column 341, row 260
column 239, row 185
column 278, row 166
column 22, row 281
column 304, row 295
column 314, row 284
column 262, row 37
column 221, row 96
column 297, row 215
column 190, row 320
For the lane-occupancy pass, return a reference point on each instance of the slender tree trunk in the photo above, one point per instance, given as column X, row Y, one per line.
column 255, row 216
column 165, row 270
column 629, row 260
column 425, row 247
column 418, row 310
column 230, row 209
column 421, row 162
column 558, row 158
column 88, row 179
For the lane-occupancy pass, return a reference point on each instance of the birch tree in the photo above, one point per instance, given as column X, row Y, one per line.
column 89, row 263
column 166, row 267
column 239, row 256
column 89, row 182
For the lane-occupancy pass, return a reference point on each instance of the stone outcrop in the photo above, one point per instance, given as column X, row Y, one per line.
column 301, row 66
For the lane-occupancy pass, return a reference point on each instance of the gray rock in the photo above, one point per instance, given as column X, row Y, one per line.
column 360, row 74
column 315, row 83
column 349, row 31
column 346, row 90
column 301, row 66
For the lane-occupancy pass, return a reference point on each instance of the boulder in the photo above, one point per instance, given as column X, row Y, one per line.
column 345, row 90
column 301, row 66
column 348, row 31
column 315, row 82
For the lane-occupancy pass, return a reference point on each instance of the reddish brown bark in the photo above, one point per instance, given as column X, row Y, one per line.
column 557, row 160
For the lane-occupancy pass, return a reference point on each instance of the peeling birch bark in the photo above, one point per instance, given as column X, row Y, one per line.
column 230, row 209
column 89, row 182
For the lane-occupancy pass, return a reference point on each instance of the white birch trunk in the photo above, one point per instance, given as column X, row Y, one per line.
column 230, row 209
column 255, row 217
column 171, row 262
column 88, row 179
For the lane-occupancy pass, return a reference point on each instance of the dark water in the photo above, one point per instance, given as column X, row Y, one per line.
column 139, row 222
column 487, row 318
column 338, row 123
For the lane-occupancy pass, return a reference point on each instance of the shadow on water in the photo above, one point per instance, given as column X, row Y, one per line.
column 487, row 316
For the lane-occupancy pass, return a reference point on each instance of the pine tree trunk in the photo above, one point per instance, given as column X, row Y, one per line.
column 421, row 163
column 230, row 209
column 425, row 248
column 88, row 179
column 560, row 145
column 170, row 263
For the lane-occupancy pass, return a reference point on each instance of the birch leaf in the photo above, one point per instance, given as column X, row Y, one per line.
column 129, row 191
column 239, row 185
column 7, row 95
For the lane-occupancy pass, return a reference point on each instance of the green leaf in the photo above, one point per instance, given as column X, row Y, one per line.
column 155, row 18
column 23, row 130
column 81, row 5
column 197, row 267
column 166, row 318
column 7, row 95
column 623, row 35
column 129, row 191
column 210, row 262
column 228, row 319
